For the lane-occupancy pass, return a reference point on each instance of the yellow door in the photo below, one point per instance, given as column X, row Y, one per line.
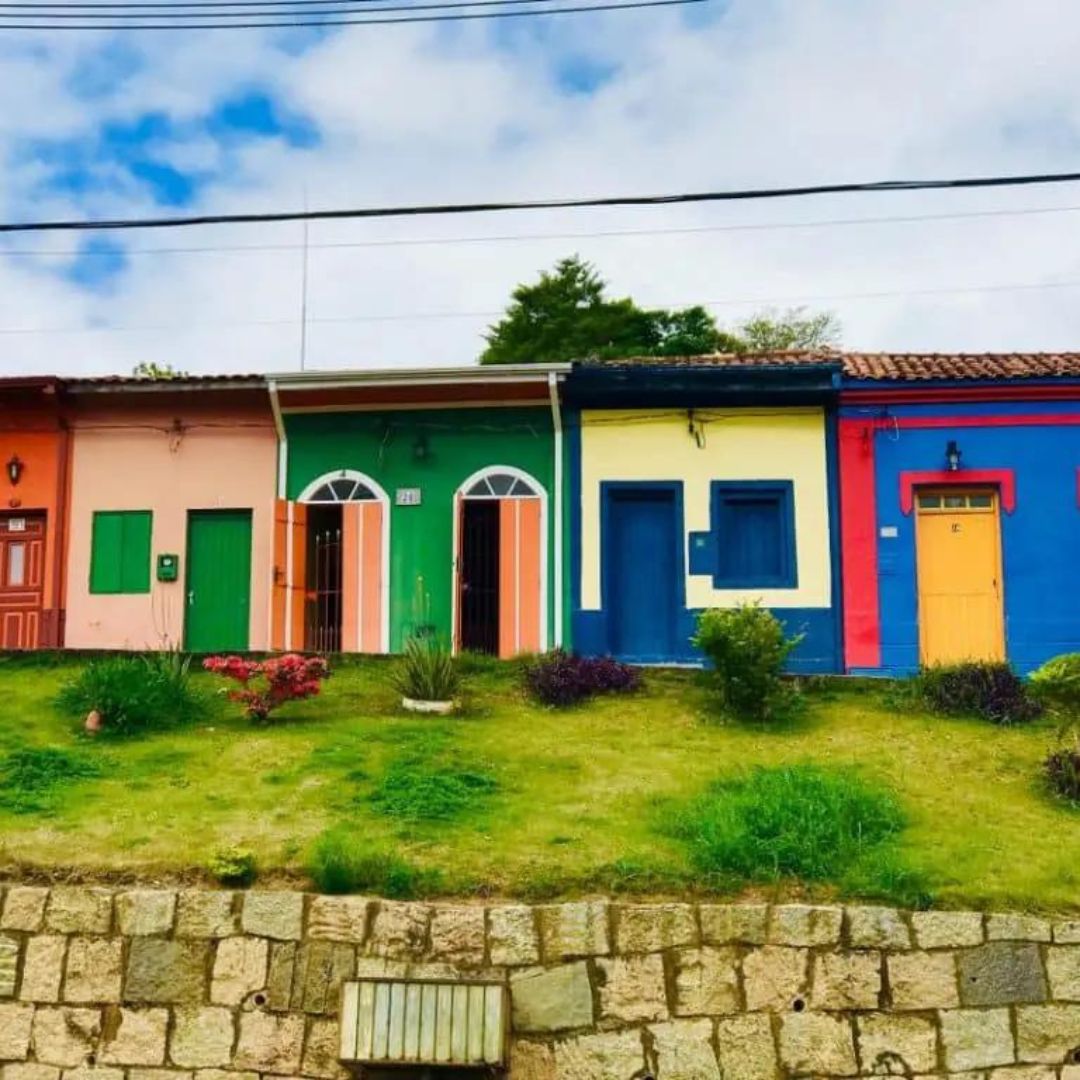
column 958, row 546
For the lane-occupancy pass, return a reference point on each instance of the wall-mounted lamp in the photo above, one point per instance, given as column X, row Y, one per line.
column 952, row 456
column 421, row 450
column 15, row 469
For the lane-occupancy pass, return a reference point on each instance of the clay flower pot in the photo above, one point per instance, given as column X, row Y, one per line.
column 93, row 722
column 432, row 708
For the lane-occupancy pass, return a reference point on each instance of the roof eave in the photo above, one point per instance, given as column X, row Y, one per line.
column 463, row 376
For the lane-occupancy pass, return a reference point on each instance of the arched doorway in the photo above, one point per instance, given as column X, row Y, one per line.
column 500, row 548
column 346, row 519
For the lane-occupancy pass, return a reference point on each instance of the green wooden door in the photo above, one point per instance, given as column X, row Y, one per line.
column 218, row 606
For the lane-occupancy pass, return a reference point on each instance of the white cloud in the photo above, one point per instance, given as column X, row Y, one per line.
column 769, row 94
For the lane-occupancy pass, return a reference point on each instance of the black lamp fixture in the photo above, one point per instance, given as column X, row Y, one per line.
column 952, row 456
column 421, row 450
column 15, row 468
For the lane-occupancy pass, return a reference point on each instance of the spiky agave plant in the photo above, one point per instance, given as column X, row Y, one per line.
column 426, row 671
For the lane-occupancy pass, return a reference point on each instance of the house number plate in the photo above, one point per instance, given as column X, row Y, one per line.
column 407, row 497
column 16, row 524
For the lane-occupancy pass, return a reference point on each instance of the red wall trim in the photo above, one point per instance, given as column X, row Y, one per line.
column 1004, row 478
column 1019, row 420
column 927, row 395
column 858, row 545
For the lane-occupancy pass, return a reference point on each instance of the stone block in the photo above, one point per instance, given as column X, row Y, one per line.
column 1002, row 973
column 609, row 1056
column 745, row 1047
column 16, row 1021
column 201, row 913
column 338, row 918
column 532, row 1061
column 734, row 924
column 76, row 909
column 1063, row 970
column 817, row 1044
column 282, row 971
column 457, row 934
column 9, row 965
column 1017, row 928
column 269, row 1043
column 43, row 968
column 65, row 1036
column 557, row 999
column 512, row 937
column 1026, row 1072
column 160, row 1074
column 399, row 931
column 28, row 1070
column 1067, row 932
column 202, row 1038
column 239, row 969
column 976, row 1038
column 947, row 929
column 321, row 1049
column 572, row 930
column 319, row 969
column 643, row 928
column 706, row 981
column 877, row 928
column 24, row 908
column 805, row 924
column 94, row 1072
column 632, row 988
column 94, row 970
column 896, row 1045
column 683, row 1050
column 225, row 1074
column 846, row 980
column 142, row 912
column 923, row 980
column 134, row 1037
column 166, row 972
column 278, row 915
column 774, row 977
column 1047, row 1034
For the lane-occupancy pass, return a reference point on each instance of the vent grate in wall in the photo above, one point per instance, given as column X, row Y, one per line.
column 420, row 1022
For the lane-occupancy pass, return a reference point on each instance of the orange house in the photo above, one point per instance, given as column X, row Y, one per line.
column 33, row 519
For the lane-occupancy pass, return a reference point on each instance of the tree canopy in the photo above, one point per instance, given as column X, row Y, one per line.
column 566, row 315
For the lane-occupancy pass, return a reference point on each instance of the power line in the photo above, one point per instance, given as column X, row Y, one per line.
column 449, row 209
column 300, row 23
column 170, row 7
column 438, row 241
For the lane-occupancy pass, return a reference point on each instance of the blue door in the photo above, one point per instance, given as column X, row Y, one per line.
column 643, row 566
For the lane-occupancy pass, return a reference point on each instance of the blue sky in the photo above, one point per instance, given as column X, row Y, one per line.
column 746, row 92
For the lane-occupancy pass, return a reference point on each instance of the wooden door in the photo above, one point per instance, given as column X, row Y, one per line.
column 520, row 576
column 22, row 579
column 218, row 610
column 958, row 547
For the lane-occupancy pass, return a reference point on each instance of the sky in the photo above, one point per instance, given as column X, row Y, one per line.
column 724, row 94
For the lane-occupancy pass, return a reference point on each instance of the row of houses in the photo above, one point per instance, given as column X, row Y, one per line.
column 892, row 509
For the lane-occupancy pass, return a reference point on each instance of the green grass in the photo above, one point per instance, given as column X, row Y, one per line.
column 512, row 799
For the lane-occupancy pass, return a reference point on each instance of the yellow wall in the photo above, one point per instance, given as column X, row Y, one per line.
column 740, row 444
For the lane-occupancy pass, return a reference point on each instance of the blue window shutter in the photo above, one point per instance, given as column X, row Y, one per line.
column 754, row 525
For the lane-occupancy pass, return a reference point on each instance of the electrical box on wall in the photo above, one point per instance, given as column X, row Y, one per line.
column 168, row 567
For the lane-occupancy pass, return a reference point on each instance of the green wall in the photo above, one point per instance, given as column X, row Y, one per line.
column 459, row 443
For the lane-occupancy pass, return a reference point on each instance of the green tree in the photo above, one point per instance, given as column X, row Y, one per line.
column 796, row 328
column 151, row 369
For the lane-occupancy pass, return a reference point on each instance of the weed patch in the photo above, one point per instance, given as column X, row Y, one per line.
column 33, row 779
column 418, row 790
column 340, row 862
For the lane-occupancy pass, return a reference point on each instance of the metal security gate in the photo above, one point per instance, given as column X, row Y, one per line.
column 480, row 576
column 322, row 631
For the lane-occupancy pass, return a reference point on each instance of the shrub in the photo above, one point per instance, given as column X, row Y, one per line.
column 33, row 778
column 340, row 862
column 134, row 693
column 748, row 648
column 1057, row 684
column 560, row 678
column 415, row 791
column 266, row 685
column 793, row 821
column 426, row 671
column 234, row 866
column 990, row 690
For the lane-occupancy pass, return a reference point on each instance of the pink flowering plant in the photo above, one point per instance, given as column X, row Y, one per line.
column 266, row 685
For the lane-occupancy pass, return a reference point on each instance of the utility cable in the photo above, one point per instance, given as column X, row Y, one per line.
column 451, row 209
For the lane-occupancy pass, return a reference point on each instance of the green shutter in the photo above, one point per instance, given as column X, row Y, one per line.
column 120, row 551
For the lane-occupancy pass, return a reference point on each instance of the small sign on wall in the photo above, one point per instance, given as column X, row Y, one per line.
column 16, row 524
column 889, row 532
column 407, row 497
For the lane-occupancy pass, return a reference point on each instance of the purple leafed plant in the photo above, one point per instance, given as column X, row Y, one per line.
column 559, row 678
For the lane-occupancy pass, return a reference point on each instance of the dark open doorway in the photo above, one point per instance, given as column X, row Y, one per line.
column 480, row 576
column 322, row 621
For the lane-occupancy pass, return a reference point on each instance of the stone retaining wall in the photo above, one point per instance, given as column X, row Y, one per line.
column 203, row 985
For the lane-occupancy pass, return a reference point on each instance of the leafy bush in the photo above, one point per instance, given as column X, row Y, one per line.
column 977, row 688
column 748, row 648
column 560, row 678
column 134, row 693
column 233, row 866
column 340, row 862
column 33, row 778
column 266, row 685
column 792, row 821
column 426, row 671
column 415, row 790
column 1057, row 684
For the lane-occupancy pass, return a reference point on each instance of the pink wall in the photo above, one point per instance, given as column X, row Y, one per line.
column 123, row 459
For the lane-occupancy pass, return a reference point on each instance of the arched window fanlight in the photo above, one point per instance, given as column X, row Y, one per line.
column 501, row 485
column 341, row 490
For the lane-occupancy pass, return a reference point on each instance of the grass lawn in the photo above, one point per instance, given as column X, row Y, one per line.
column 513, row 799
